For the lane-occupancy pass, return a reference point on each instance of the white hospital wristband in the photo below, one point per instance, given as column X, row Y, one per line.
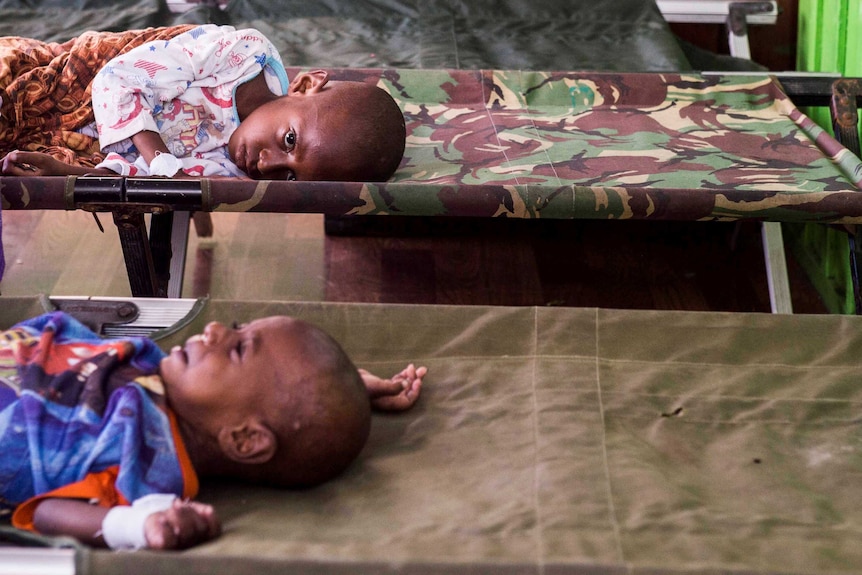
column 165, row 164
column 123, row 526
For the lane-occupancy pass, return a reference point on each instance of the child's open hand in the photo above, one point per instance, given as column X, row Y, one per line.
column 184, row 524
column 397, row 393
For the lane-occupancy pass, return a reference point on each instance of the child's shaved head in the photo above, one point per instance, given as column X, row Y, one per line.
column 275, row 401
column 375, row 129
column 325, row 413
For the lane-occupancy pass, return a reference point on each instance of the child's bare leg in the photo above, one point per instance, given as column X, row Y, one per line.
column 397, row 393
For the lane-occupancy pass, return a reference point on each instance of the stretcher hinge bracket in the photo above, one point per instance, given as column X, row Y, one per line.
column 98, row 314
column 149, row 254
column 145, row 195
column 738, row 13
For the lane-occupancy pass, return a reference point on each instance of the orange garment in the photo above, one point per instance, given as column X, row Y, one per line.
column 100, row 488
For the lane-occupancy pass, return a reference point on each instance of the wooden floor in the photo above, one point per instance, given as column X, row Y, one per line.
column 646, row 265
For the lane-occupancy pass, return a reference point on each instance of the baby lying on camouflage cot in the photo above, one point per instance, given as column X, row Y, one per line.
column 105, row 440
column 187, row 101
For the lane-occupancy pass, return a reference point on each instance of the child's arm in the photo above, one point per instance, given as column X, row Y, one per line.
column 397, row 393
column 19, row 163
column 149, row 144
column 27, row 164
column 72, row 517
column 182, row 525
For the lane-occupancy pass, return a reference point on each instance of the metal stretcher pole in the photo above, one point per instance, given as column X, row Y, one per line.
column 179, row 249
column 160, row 246
column 137, row 253
column 109, row 194
column 155, row 259
column 737, row 25
column 771, row 236
column 168, row 239
column 776, row 267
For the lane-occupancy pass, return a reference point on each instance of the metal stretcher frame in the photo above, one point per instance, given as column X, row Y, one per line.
column 155, row 258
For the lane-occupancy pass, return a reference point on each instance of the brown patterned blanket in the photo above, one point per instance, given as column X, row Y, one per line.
column 45, row 90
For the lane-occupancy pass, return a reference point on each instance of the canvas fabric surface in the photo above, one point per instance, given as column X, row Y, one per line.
column 568, row 440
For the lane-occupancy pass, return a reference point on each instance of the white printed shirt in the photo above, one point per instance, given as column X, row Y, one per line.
column 184, row 89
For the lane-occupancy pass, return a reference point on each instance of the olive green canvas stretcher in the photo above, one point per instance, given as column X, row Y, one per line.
column 563, row 440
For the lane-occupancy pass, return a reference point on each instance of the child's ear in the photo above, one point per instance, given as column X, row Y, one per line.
column 308, row 82
column 250, row 442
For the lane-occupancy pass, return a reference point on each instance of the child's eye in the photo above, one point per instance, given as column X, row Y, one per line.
column 289, row 140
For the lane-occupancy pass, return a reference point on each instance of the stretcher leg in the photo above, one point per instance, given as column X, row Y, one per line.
column 179, row 248
column 776, row 268
column 169, row 237
column 773, row 241
column 155, row 261
column 137, row 254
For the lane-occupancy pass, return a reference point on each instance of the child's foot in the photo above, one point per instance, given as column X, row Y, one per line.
column 397, row 393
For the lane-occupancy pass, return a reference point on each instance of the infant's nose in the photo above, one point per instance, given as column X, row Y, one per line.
column 213, row 332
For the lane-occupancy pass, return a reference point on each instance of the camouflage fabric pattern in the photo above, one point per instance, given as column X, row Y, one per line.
column 597, row 145
column 586, row 145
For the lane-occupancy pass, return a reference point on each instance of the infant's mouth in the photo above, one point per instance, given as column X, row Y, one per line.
column 181, row 352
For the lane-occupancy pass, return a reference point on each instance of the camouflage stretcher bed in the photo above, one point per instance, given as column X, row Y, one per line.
column 495, row 130
column 533, row 144
column 563, row 440
column 552, row 145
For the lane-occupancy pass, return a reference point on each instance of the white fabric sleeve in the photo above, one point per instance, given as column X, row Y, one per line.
column 117, row 163
column 123, row 526
column 198, row 167
column 132, row 86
